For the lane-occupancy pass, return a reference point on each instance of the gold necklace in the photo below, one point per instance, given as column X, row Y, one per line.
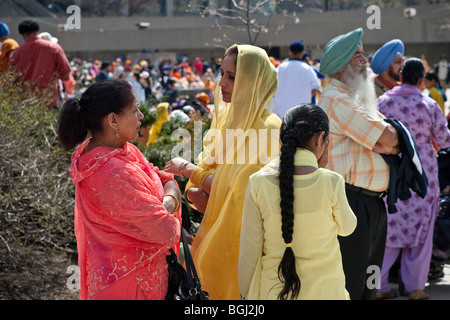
column 98, row 142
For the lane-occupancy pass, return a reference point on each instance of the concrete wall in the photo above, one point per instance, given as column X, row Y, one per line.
column 104, row 38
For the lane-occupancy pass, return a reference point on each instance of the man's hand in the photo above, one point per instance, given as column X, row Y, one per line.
column 388, row 142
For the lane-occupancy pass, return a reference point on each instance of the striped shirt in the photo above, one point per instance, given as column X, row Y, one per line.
column 353, row 134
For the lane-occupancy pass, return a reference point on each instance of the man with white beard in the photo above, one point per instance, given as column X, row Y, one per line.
column 358, row 135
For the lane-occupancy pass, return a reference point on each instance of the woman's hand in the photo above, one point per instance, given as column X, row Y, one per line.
column 199, row 198
column 173, row 166
column 177, row 167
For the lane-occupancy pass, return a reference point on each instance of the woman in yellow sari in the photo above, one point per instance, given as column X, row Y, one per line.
column 217, row 185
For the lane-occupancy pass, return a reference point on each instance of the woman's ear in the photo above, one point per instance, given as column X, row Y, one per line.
column 112, row 120
column 318, row 141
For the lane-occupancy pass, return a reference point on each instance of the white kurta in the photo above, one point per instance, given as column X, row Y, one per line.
column 296, row 80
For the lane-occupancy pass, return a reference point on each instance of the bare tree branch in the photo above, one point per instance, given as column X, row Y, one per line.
column 252, row 17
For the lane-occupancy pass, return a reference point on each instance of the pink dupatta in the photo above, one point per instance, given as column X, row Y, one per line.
column 123, row 230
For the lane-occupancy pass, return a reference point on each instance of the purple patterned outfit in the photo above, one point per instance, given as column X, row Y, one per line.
column 411, row 228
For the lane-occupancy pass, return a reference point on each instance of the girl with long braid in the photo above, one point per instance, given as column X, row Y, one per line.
column 288, row 244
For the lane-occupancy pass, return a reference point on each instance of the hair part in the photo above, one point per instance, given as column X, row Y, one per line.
column 231, row 51
column 300, row 124
column 78, row 118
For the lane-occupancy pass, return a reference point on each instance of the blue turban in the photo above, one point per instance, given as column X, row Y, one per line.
column 383, row 58
column 4, row 30
column 338, row 52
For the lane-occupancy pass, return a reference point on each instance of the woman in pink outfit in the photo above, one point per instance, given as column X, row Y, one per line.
column 126, row 210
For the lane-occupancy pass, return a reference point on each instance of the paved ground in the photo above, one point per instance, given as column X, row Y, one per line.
column 438, row 289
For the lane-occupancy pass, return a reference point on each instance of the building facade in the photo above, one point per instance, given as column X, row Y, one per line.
column 175, row 29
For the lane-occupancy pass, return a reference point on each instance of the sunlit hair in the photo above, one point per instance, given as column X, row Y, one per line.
column 231, row 51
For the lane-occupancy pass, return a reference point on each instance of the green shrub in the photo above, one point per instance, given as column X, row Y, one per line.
column 37, row 193
column 149, row 111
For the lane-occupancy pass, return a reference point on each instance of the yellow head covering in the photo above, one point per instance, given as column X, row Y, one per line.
column 162, row 114
column 216, row 245
column 7, row 46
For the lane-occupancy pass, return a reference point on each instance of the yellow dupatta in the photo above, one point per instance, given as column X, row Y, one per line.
column 216, row 245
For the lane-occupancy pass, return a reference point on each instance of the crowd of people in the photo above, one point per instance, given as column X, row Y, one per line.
column 355, row 184
column 163, row 81
column 69, row 76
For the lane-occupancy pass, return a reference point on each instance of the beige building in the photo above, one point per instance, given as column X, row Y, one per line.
column 426, row 31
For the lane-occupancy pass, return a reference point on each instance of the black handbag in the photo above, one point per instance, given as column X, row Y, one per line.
column 444, row 206
column 184, row 284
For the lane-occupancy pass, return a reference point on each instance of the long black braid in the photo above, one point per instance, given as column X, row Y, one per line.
column 299, row 125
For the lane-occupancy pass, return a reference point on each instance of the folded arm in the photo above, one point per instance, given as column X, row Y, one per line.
column 388, row 143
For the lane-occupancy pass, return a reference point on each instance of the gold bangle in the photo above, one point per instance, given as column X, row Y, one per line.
column 198, row 177
column 203, row 178
column 186, row 196
column 194, row 174
column 183, row 165
column 177, row 203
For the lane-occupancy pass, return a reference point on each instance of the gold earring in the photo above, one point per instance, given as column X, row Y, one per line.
column 117, row 133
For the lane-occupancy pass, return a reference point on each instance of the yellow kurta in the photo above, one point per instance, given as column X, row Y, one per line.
column 437, row 96
column 321, row 214
column 216, row 246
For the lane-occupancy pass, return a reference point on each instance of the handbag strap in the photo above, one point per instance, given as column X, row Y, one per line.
column 193, row 280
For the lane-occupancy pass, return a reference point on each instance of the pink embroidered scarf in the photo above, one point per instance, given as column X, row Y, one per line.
column 123, row 231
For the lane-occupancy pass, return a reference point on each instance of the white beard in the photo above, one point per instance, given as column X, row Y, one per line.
column 362, row 89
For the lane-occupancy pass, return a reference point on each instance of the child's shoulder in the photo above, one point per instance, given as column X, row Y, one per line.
column 332, row 174
column 270, row 170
